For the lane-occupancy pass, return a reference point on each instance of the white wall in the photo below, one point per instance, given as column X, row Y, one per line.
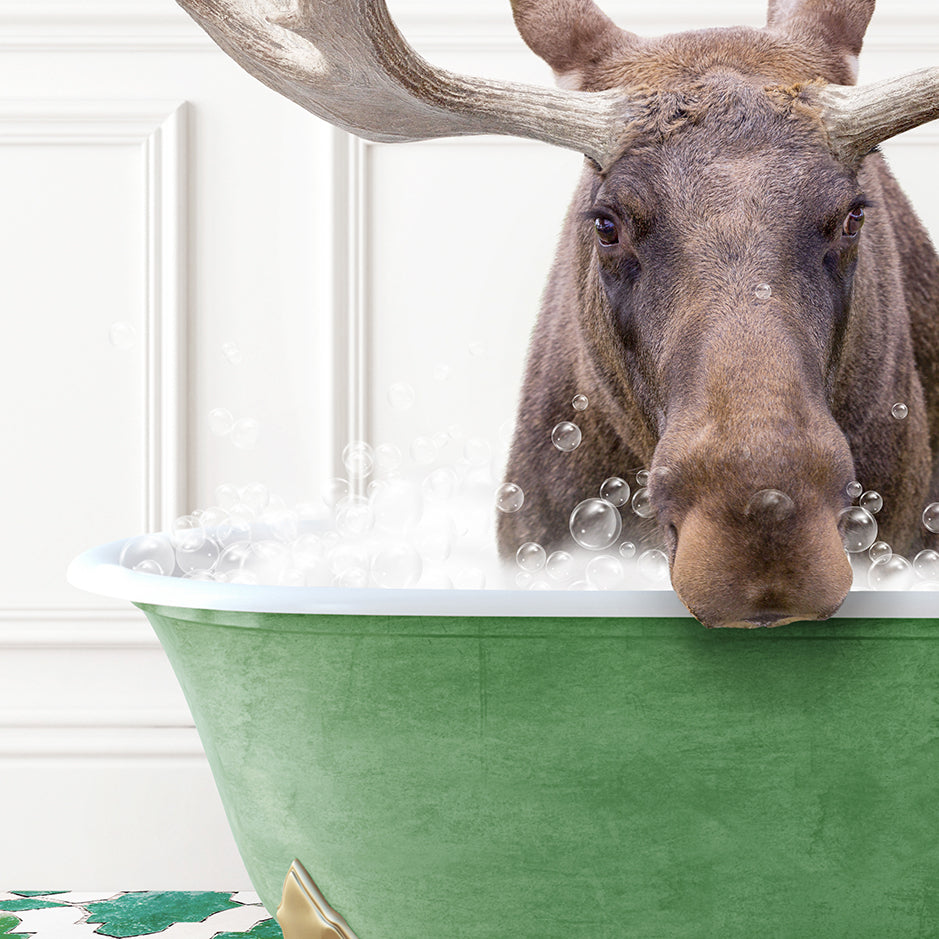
column 145, row 180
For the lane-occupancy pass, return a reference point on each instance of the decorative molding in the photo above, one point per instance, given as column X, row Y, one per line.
column 351, row 299
column 158, row 128
column 351, row 313
column 106, row 741
column 98, row 27
column 471, row 25
column 105, row 628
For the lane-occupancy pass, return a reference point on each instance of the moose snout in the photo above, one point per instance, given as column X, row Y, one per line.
column 765, row 571
column 757, row 542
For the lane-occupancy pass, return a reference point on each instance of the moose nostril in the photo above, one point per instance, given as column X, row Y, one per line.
column 770, row 505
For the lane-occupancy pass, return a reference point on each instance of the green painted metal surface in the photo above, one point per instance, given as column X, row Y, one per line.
column 533, row 778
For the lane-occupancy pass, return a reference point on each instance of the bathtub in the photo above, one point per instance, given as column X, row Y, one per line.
column 448, row 764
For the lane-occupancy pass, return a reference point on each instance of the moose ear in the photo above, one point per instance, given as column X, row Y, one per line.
column 836, row 25
column 572, row 36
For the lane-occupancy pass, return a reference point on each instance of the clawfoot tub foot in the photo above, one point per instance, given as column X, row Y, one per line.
column 304, row 913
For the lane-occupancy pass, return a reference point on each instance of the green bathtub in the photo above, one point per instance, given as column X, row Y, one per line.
column 451, row 764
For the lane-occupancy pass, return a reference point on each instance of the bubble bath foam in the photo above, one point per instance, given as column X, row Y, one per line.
column 450, row 764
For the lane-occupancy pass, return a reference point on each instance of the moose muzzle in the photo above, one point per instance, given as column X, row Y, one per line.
column 751, row 518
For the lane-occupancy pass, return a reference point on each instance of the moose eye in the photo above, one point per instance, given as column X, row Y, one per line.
column 606, row 231
column 853, row 223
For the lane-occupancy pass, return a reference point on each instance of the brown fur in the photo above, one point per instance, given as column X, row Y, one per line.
column 728, row 182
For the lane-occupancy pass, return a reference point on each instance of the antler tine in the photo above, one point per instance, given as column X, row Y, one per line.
column 860, row 117
column 345, row 61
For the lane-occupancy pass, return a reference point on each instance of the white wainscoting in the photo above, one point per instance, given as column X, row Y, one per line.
column 148, row 180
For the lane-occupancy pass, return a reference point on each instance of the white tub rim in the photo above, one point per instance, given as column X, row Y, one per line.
column 98, row 571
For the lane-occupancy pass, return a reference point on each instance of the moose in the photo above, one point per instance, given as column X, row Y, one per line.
column 741, row 289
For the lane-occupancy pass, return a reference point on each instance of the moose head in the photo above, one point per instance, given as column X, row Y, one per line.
column 741, row 289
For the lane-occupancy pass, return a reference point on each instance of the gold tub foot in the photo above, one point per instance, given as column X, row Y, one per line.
column 304, row 913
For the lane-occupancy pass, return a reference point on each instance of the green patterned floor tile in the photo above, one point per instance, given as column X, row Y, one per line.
column 266, row 930
column 27, row 903
column 7, row 922
column 135, row 914
column 38, row 893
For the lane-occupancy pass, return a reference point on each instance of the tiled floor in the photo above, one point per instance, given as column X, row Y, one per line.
column 47, row 914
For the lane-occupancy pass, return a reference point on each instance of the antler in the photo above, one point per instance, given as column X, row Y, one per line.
column 860, row 117
column 345, row 61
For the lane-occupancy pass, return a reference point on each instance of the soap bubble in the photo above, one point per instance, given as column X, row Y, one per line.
column 221, row 421
column 241, row 513
column 354, row 516
column 199, row 557
column 282, row 523
column 595, row 524
column 858, row 529
column 396, row 565
column 307, row 551
column 156, row 550
column 348, row 555
column 926, row 565
column 423, row 450
column 770, row 505
column 211, row 517
column 604, row 572
column 879, row 550
column 854, row 489
column 234, row 557
column 435, row 580
column 469, row 578
column 435, row 536
column 397, row 504
column 358, row 459
column 893, row 573
column 524, row 580
column 401, row 396
column 122, row 336
column 187, row 533
column 442, row 371
column 244, row 433
column 334, row 491
column 653, row 565
column 231, row 352
column 477, row 451
column 763, row 291
column 226, row 495
column 642, row 504
column 566, row 436
column 615, row 491
column 642, row 478
column 232, row 530
column 531, row 557
column 872, row 501
column 441, row 485
column 580, row 402
column 387, row 458
column 509, row 498
column 268, row 560
column 899, row 411
column 354, row 578
column 256, row 496
column 627, row 550
column 931, row 516
column 560, row 566
column 148, row 566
